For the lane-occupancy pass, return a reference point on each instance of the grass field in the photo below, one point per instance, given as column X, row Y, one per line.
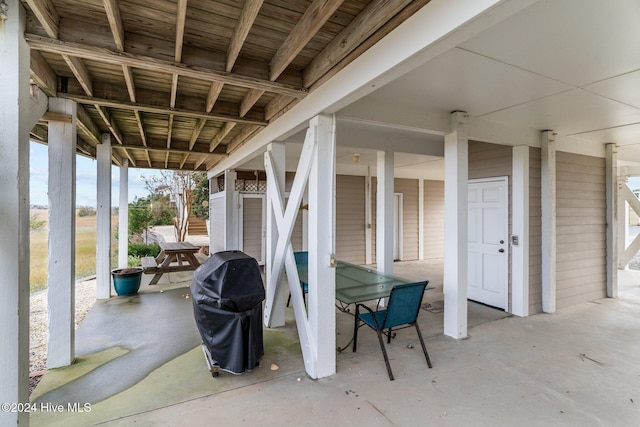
column 85, row 249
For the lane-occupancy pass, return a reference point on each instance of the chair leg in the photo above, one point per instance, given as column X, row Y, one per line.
column 389, row 336
column 424, row 347
column 289, row 300
column 384, row 353
column 355, row 330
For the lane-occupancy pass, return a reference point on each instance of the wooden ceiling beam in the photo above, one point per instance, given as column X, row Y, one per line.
column 181, row 17
column 196, row 132
column 275, row 105
column 47, row 15
column 80, row 72
column 40, row 133
column 112, row 9
column 132, row 161
column 42, row 74
column 140, row 127
column 316, row 15
column 243, row 25
column 372, row 17
column 156, row 149
column 222, row 133
column 159, row 110
column 249, row 101
column 246, row 133
column 109, row 122
column 169, row 131
column 128, row 78
column 87, row 125
column 212, row 96
column 153, row 64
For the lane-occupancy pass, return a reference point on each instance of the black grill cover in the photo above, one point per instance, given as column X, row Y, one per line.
column 227, row 294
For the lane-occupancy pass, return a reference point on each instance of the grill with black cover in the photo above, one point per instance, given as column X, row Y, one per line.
column 227, row 294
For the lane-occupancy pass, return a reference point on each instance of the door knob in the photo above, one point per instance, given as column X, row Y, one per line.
column 501, row 250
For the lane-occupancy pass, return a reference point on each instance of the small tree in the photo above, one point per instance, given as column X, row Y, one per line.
column 139, row 216
column 179, row 186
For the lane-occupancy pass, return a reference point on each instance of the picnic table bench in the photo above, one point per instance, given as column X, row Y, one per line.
column 173, row 257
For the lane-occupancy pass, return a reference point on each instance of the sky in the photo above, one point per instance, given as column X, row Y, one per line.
column 86, row 171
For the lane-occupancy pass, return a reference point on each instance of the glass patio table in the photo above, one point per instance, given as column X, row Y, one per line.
column 355, row 283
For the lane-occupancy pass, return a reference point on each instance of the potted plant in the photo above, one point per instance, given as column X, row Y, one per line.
column 126, row 281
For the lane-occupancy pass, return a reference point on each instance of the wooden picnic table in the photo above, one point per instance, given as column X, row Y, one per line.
column 173, row 256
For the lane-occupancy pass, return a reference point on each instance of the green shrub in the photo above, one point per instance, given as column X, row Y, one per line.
column 141, row 250
column 134, row 261
column 86, row 211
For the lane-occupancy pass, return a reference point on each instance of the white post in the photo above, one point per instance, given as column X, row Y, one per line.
column 277, row 151
column 123, row 216
column 420, row 219
column 520, row 232
column 623, row 224
column 384, row 210
column 14, row 226
column 231, row 226
column 368, row 219
column 612, row 218
column 62, row 232
column 456, row 177
column 548, row 194
column 103, row 232
column 322, row 281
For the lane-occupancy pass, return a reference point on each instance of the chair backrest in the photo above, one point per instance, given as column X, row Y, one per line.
column 302, row 258
column 404, row 304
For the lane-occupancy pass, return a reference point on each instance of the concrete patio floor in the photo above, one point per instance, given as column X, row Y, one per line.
column 140, row 364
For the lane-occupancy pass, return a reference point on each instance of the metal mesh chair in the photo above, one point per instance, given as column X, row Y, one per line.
column 402, row 310
column 302, row 258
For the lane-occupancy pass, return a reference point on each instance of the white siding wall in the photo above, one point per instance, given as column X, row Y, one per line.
column 581, row 229
column 409, row 190
column 350, row 218
column 433, row 219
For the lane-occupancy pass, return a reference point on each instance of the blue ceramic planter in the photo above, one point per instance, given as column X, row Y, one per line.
column 127, row 280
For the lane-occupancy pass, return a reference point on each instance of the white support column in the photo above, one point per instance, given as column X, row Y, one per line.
column 305, row 222
column 623, row 223
column 322, row 280
column 420, row 219
column 612, row 219
column 520, row 232
column 123, row 216
column 103, row 232
column 456, row 177
column 231, row 226
column 277, row 152
column 368, row 219
column 548, row 194
column 384, row 212
column 14, row 226
column 62, row 233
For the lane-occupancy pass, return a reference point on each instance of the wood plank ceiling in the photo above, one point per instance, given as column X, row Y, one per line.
column 180, row 84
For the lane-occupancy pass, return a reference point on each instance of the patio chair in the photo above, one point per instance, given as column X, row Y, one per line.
column 302, row 258
column 402, row 310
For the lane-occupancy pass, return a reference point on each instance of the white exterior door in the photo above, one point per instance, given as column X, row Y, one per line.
column 252, row 226
column 488, row 247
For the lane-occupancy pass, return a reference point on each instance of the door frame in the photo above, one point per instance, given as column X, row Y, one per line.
column 398, row 202
column 263, row 239
column 507, row 244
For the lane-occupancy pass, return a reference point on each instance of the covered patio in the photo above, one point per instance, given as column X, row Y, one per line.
column 527, row 104
column 575, row 367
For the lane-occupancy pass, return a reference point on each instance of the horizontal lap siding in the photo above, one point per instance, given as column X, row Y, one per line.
column 580, row 229
column 535, row 233
column 409, row 190
column 433, row 219
column 350, row 218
